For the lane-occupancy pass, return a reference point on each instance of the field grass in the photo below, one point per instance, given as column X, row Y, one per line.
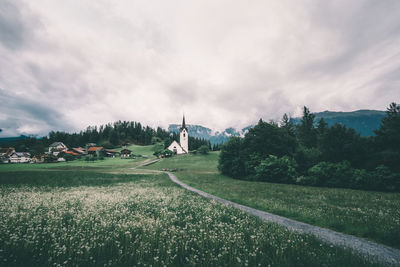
column 145, row 151
column 106, row 165
column 70, row 218
column 372, row 215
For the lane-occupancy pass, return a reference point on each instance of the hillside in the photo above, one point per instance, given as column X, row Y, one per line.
column 363, row 121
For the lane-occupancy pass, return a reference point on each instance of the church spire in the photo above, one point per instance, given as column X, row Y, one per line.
column 183, row 123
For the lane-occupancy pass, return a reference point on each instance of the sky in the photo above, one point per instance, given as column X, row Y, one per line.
column 65, row 65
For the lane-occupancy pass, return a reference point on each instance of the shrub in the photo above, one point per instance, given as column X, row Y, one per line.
column 204, row 149
column 278, row 170
column 331, row 174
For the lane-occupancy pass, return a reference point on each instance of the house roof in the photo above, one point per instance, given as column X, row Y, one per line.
column 111, row 151
column 71, row 153
column 7, row 150
column 79, row 150
column 57, row 144
column 21, row 154
column 95, row 148
column 126, row 151
column 177, row 144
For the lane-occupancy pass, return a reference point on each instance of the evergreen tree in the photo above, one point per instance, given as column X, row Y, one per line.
column 306, row 131
column 287, row 124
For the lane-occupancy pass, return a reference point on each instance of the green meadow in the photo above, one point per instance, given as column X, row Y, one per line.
column 367, row 214
column 104, row 213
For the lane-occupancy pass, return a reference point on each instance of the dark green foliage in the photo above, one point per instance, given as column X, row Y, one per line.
column 319, row 155
column 330, row 174
column 165, row 153
column 306, row 158
column 266, row 139
column 276, row 170
column 204, row 149
column 306, row 132
column 231, row 161
column 338, row 143
column 388, row 138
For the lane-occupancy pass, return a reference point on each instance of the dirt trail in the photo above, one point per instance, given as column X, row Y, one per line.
column 382, row 253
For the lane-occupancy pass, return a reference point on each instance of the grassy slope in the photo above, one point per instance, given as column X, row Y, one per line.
column 373, row 215
column 145, row 151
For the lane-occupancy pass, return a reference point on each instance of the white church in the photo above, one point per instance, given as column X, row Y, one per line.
column 183, row 146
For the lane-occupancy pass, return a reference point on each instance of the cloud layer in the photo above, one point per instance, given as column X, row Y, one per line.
column 70, row 64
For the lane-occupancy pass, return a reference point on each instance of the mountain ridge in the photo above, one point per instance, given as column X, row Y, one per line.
column 363, row 121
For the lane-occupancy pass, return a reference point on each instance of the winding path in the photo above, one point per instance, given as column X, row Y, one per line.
column 382, row 253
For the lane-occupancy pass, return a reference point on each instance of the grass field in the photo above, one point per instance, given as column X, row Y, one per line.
column 69, row 218
column 372, row 215
column 104, row 213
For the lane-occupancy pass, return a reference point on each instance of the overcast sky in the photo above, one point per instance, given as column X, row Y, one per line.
column 65, row 65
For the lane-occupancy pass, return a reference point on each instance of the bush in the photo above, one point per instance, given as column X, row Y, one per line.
column 204, row 149
column 331, row 174
column 277, row 170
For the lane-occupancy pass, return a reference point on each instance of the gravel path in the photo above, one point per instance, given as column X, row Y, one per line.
column 145, row 163
column 384, row 254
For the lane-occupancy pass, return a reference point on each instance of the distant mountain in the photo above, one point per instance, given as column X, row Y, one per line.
column 363, row 121
column 11, row 139
column 208, row 134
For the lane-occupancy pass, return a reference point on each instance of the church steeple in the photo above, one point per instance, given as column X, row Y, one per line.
column 183, row 123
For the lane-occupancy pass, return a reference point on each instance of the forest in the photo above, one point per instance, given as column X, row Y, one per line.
column 311, row 153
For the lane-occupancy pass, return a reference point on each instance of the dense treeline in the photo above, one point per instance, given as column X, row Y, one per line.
column 110, row 135
column 312, row 153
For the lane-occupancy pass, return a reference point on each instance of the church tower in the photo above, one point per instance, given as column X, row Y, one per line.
column 184, row 136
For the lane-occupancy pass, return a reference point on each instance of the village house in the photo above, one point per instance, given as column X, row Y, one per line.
column 20, row 157
column 125, row 153
column 56, row 148
column 111, row 153
column 95, row 150
column 38, row 159
column 5, row 154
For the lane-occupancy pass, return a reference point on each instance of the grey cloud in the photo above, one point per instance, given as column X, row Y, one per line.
column 15, row 27
column 357, row 26
column 24, row 112
column 146, row 61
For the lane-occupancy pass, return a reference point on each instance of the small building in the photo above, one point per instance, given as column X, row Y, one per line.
column 20, row 157
column 4, row 160
column 125, row 153
column 57, row 147
column 38, row 159
column 6, row 152
column 111, row 153
column 95, row 150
